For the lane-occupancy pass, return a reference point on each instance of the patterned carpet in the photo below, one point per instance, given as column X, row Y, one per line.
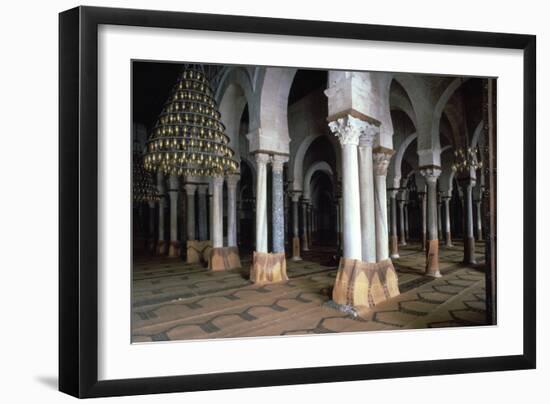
column 175, row 301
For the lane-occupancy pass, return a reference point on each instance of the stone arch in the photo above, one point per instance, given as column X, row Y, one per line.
column 477, row 134
column 398, row 158
column 317, row 166
column 297, row 166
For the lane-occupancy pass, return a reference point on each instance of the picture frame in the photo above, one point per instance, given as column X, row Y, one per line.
column 78, row 201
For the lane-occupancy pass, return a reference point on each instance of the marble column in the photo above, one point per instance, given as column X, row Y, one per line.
column 366, row 196
column 278, row 218
column 406, row 220
column 217, row 212
column 161, row 244
column 339, row 223
column 381, row 160
column 448, row 239
column 210, row 209
column 232, row 181
column 203, row 213
column 305, row 240
column 261, row 202
column 190, row 190
column 424, row 208
column 431, row 174
column 295, row 227
column 469, row 241
column 439, row 224
column 394, row 251
column 348, row 129
column 479, row 220
column 173, row 250
column 402, row 237
column 151, row 230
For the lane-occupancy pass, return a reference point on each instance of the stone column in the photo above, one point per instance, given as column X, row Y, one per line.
column 305, row 240
column 174, row 249
column 402, row 237
column 366, row 196
column 295, row 227
column 161, row 245
column 431, row 174
column 232, row 181
column 190, row 192
column 210, row 210
column 394, row 251
column 151, row 246
column 339, row 223
column 381, row 160
column 479, row 219
column 217, row 212
column 203, row 214
column 261, row 202
column 439, row 226
column 424, row 219
column 448, row 239
column 278, row 218
column 406, row 221
column 348, row 130
column 469, row 241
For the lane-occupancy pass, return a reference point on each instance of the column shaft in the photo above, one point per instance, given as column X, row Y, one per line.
column 261, row 202
column 402, row 238
column 432, row 256
column 203, row 213
column 469, row 241
column 190, row 213
column 381, row 161
column 448, row 239
column 278, row 218
column 232, row 181
column 217, row 212
column 366, row 190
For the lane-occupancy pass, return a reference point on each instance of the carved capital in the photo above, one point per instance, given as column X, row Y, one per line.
column 430, row 173
column 190, row 189
column 349, row 129
column 262, row 158
column 295, row 196
column 217, row 181
column 232, row 181
column 381, row 161
column 278, row 162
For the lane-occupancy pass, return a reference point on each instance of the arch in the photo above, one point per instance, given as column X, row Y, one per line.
column 477, row 134
column 297, row 165
column 398, row 158
column 317, row 166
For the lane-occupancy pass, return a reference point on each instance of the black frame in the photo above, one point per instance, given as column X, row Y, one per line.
column 78, row 156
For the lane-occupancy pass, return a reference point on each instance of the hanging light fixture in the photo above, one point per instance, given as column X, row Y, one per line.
column 188, row 138
column 143, row 185
column 466, row 159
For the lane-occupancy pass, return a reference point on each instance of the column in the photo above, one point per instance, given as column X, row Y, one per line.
column 305, row 243
column 232, row 181
column 381, row 160
column 402, row 238
column 479, row 219
column 339, row 224
column 366, row 196
column 217, row 212
column 424, row 219
column 203, row 217
column 469, row 241
column 439, row 227
column 190, row 212
column 406, row 221
column 431, row 174
column 173, row 250
column 261, row 202
column 161, row 246
column 210, row 210
column 278, row 217
column 295, row 227
column 448, row 239
column 394, row 251
column 151, row 246
column 348, row 130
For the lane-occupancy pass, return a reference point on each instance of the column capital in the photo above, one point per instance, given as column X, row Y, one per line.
column 381, row 160
column 277, row 162
column 295, row 196
column 232, row 180
column 430, row 173
column 173, row 182
column 202, row 188
column 367, row 138
column 190, row 188
column 217, row 181
column 349, row 129
column 261, row 158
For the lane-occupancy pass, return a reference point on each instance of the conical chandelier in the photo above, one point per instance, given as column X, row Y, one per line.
column 143, row 185
column 188, row 138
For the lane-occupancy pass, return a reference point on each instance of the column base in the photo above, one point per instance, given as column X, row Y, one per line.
column 424, row 241
column 195, row 251
column 469, row 251
column 161, row 247
column 432, row 259
column 402, row 243
column 296, row 249
column 224, row 258
column 448, row 240
column 174, row 249
column 305, row 245
column 394, row 251
column 362, row 284
column 268, row 268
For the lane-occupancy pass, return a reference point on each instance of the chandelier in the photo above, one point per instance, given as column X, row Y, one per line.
column 466, row 159
column 143, row 186
column 188, row 137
